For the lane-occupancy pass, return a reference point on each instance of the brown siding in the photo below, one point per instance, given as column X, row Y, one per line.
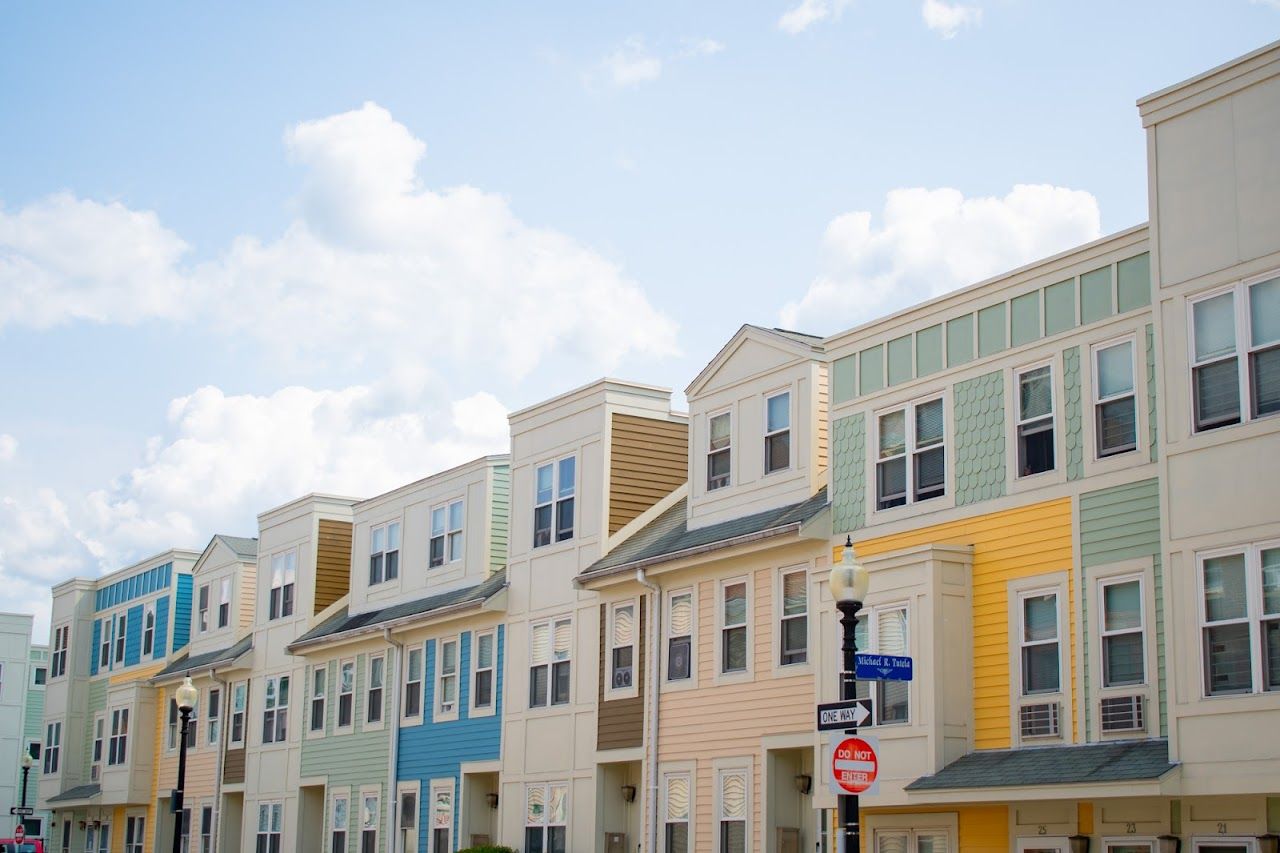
column 333, row 562
column 233, row 767
column 824, row 405
column 648, row 460
column 620, row 722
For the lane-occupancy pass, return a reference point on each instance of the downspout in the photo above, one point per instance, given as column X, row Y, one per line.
column 393, row 795
column 653, row 682
column 225, row 700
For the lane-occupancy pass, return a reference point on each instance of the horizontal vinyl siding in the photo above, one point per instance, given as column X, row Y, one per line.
column 248, row 594
column 233, row 767
column 620, row 722
column 984, row 829
column 161, row 645
column 648, row 459
column 182, row 613
column 499, row 517
column 333, row 562
column 133, row 636
column 824, row 405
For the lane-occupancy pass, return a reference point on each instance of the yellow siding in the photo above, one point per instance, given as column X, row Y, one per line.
column 162, row 705
column 1017, row 543
column 1084, row 818
column 117, row 828
column 248, row 594
column 140, row 674
column 984, row 829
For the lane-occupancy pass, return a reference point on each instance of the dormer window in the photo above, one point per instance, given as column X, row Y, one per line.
column 384, row 553
column 284, row 573
column 553, row 501
column 224, row 602
column 777, row 433
column 719, row 450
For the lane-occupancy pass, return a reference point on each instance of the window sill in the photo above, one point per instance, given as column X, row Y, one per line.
column 743, row 677
column 487, row 711
column 451, row 717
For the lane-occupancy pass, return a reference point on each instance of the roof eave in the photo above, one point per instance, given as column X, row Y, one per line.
column 585, row 580
column 393, row 624
column 1166, row 784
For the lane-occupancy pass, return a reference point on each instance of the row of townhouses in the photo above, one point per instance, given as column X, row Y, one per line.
column 1064, row 481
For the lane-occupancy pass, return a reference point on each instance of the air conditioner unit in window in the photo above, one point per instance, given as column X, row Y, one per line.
column 1123, row 714
column 95, row 772
column 1039, row 720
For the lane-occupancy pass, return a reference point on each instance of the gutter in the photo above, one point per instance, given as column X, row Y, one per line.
column 651, row 712
column 224, row 717
column 635, row 565
column 393, row 795
column 379, row 627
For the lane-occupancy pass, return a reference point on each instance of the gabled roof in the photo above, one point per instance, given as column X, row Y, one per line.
column 800, row 344
column 668, row 536
column 342, row 623
column 1117, row 761
column 208, row 660
column 241, row 546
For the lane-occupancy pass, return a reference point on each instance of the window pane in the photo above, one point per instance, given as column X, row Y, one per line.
column 778, row 451
column 677, row 838
column 376, row 543
column 1217, row 394
column 1040, row 617
column 1264, row 377
column 1271, row 653
column 564, row 519
column 1264, row 312
column 893, row 433
column 1122, row 660
column 1271, row 581
column 567, row 468
column 484, row 651
column 1117, row 426
column 733, row 796
column 1115, row 370
column 735, row 649
column 1035, row 447
column 1035, row 395
column 795, row 640
column 623, row 625
column 931, row 473
column 541, row 528
column 540, row 647
column 1227, row 659
column 931, row 842
column 437, row 518
column 681, row 614
column 1224, row 588
column 562, row 639
column 1215, row 326
column 779, row 412
column 733, row 836
column 719, row 431
column 556, row 808
column 1040, row 668
column 793, row 594
column 929, row 423
column 891, row 842
column 735, row 604
column 893, row 632
column 544, row 484
column 1122, row 603
column 891, row 483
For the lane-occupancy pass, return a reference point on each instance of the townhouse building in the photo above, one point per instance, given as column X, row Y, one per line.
column 24, row 671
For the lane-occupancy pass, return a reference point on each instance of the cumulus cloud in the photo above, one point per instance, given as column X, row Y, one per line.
column 946, row 19
column 8, row 447
column 809, row 12
column 631, row 64
column 702, row 47
column 931, row 241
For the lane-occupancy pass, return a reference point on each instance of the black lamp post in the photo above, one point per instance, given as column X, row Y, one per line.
column 185, row 697
column 849, row 581
column 27, row 763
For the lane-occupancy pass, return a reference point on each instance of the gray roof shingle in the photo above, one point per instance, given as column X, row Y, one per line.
column 668, row 534
column 244, row 548
column 79, row 792
column 1119, row 761
column 206, row 660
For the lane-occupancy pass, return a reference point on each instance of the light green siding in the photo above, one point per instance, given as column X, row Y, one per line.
column 1060, row 307
column 992, row 326
column 929, row 350
column 32, row 723
column 980, row 431
column 960, row 340
column 499, row 517
column 1071, row 409
column 844, row 379
column 871, row 370
column 900, row 360
column 849, row 449
column 1133, row 282
column 1095, row 296
column 96, row 705
column 1151, row 391
column 1024, row 314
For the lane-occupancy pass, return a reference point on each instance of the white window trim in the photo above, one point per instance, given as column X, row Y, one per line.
column 944, row 822
column 101, row 761
column 338, row 726
column 231, row 712
column 790, row 428
column 105, row 625
column 550, row 622
column 490, row 709
column 1015, row 411
column 706, row 457
column 448, row 556
column 1039, row 842
column 385, row 527
column 55, row 743
column 1144, row 569
column 225, row 586
column 908, row 407
column 438, row 714
column 362, row 712
column 120, row 640
column 1249, row 842
column 671, row 770
column 738, row 675
column 335, row 794
column 270, row 805
column 1123, row 840
column 313, row 732
column 1017, row 590
column 213, row 725
column 1102, row 633
column 1254, row 616
column 115, row 714
column 725, row 767
column 374, row 791
column 555, row 501
column 148, row 615
column 410, row 787
column 1096, row 399
column 611, row 692
column 284, row 582
column 546, row 787
column 800, row 667
column 287, row 707
column 61, row 634
column 872, row 614
column 409, row 648
column 203, row 625
column 691, row 682
column 445, row 784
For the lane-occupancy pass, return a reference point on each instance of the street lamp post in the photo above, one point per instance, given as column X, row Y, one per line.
column 27, row 763
column 848, row 582
column 185, row 697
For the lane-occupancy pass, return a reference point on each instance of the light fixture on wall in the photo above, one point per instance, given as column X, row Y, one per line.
column 804, row 783
column 1269, row 843
column 492, row 797
column 628, row 793
column 1168, row 844
column 1078, row 843
column 82, row 826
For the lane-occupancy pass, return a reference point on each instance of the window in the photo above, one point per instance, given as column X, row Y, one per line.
column 373, row 699
column 66, row 836
column 1038, row 638
column 134, row 830
column 239, row 700
column 40, row 675
column 224, row 602
column 369, row 811
column 447, row 678
column 553, row 501
column 892, row 698
column 409, row 813
column 202, row 619
column 61, row 640
column 1035, row 421
column 118, row 745
column 122, row 623
column 680, row 635
column 622, row 646
column 441, row 817
column 213, row 716
column 384, row 553
column 912, row 461
column 793, row 628
column 346, row 692
column 1219, row 379
column 777, row 432
column 104, row 837
column 319, row 675
column 413, row 683
column 275, row 709
column 1241, row 613
column 733, row 627
column 446, row 534
column 912, row 841
column 172, row 741
column 731, row 811
column 676, row 811
column 284, row 572
column 549, row 663
column 184, row 830
column 1115, row 419
column 1123, row 655
column 482, row 690
column 104, row 650
column 719, row 450
column 52, row 747
column 270, row 821
column 206, row 829
column 1128, row 846
column 338, row 825
column 149, row 630
column 546, row 807
column 99, row 743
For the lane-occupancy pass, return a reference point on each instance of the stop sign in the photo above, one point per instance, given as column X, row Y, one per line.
column 855, row 764
column 19, row 833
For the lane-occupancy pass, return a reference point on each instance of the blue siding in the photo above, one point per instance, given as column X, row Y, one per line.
column 182, row 613
column 161, row 646
column 133, row 639
column 136, row 586
column 437, row 750
column 93, row 650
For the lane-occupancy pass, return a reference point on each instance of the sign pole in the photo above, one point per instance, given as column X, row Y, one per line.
column 851, row 831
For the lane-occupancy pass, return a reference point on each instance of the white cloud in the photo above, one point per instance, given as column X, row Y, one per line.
column 929, row 242
column 702, row 47
column 946, row 19
column 631, row 64
column 1274, row 4
column 809, row 12
column 8, row 447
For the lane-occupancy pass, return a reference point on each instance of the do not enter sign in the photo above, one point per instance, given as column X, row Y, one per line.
column 854, row 764
column 19, row 833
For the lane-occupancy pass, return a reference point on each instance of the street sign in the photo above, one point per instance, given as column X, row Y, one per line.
column 837, row 716
column 854, row 766
column 883, row 668
column 19, row 833
column 22, row 811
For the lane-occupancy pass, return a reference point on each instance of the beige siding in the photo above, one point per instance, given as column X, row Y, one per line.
column 824, row 406
column 248, row 593
column 620, row 722
column 647, row 461
column 333, row 562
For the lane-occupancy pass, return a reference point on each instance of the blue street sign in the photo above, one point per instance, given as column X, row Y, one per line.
column 883, row 668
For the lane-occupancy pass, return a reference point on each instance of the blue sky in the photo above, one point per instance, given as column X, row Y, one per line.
column 254, row 251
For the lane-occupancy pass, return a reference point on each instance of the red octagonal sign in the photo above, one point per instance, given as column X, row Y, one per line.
column 854, row 764
column 19, row 833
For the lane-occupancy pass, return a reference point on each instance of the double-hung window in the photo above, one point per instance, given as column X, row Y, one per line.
column 1240, row 620
column 719, row 450
column 413, row 682
column 122, row 625
column 99, row 741
column 270, row 825
column 549, row 662
column 373, row 701
column 284, row 574
column 622, row 646
column 239, row 700
column 338, row 829
column 882, row 630
column 911, row 464
column 213, row 717
column 193, row 725
column 202, row 613
column 104, row 648
column 319, row 691
column 61, row 640
column 777, row 432
column 793, row 620
column 149, row 630
column 384, row 553
column 224, row 602
column 206, row 829
column 275, row 709
column 914, row 841
column 346, row 692
column 134, row 830
column 441, row 815
column 546, row 816
column 1035, row 432
column 370, row 810
column 447, row 678
column 482, row 689
column 1246, row 317
column 680, row 635
column 1123, row 652
column 553, row 508
column 52, row 747
column 172, row 741
column 1115, row 404
column 40, row 676
column 118, row 745
column 446, row 534
column 1040, row 649
column 731, row 810
column 733, row 626
column 184, row 831
column 676, row 814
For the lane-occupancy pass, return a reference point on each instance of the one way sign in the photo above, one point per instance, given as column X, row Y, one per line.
column 835, row 716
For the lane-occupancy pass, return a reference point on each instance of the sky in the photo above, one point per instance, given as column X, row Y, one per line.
column 256, row 250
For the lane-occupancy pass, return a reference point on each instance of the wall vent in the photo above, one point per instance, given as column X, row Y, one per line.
column 1123, row 714
column 1039, row 720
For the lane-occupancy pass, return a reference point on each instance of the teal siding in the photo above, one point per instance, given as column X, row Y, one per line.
column 960, row 340
column 980, row 437
column 844, row 379
column 1133, row 282
column 1072, row 415
column 133, row 637
column 136, row 586
column 849, row 449
column 992, row 328
column 1151, row 391
column 929, row 350
column 93, row 650
column 499, row 517
column 182, row 612
column 1060, row 307
column 160, row 648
